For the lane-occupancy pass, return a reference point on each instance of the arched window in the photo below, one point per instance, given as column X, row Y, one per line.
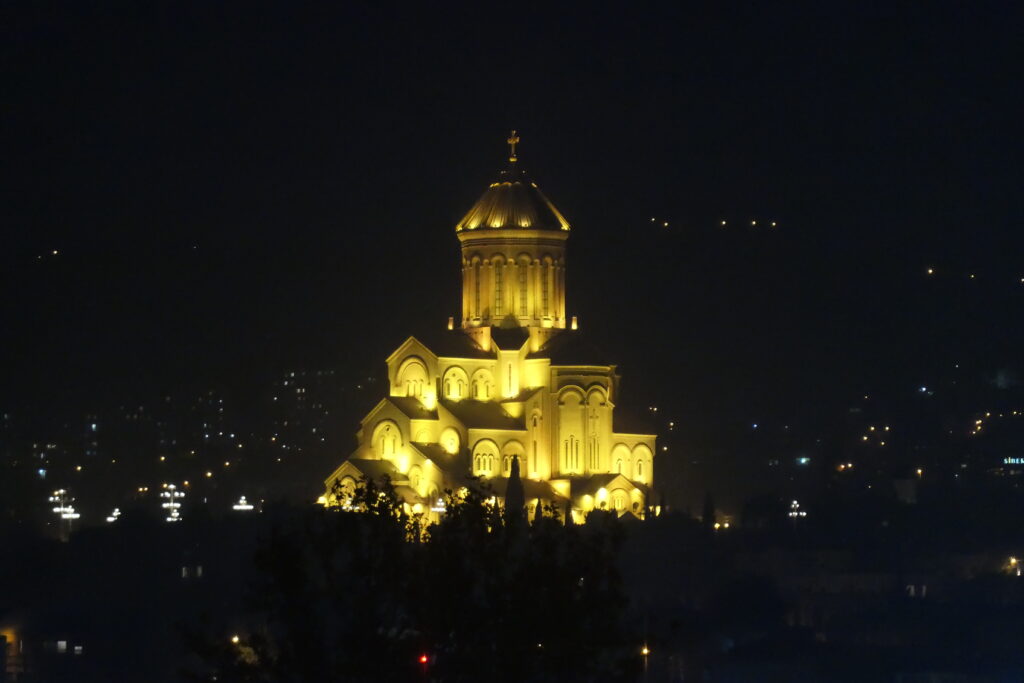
column 619, row 500
column 544, row 287
column 499, row 291
column 482, row 383
column 455, row 382
column 485, row 458
column 412, row 377
column 640, row 469
column 476, row 290
column 618, row 466
column 522, row 269
column 386, row 439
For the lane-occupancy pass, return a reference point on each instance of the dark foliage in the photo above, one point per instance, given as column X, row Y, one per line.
column 366, row 594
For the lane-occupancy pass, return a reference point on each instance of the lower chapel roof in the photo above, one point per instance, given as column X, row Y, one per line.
column 572, row 348
column 412, row 407
column 482, row 414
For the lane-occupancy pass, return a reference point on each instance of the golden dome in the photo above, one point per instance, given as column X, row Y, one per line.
column 513, row 204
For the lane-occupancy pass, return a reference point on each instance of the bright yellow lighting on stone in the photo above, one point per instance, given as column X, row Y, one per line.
column 503, row 397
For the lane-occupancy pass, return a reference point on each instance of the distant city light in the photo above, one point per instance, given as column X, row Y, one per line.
column 64, row 507
column 172, row 502
column 112, row 517
column 803, row 460
column 242, row 504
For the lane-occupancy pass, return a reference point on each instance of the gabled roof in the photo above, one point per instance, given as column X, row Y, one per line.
column 568, row 347
column 531, row 489
column 452, row 344
column 412, row 407
column 591, row 484
column 452, row 463
column 411, row 340
column 482, row 414
column 523, row 395
column 371, row 469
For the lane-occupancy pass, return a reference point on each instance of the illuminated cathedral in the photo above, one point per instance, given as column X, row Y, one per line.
column 515, row 379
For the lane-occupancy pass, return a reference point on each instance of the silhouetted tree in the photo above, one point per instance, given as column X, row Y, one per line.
column 362, row 594
column 708, row 513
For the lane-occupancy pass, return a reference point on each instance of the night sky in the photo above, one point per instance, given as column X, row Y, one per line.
column 233, row 191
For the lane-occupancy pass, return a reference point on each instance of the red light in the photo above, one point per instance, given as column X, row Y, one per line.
column 423, row 659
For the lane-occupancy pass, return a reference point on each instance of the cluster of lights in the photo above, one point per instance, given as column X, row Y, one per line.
column 242, row 505
column 979, row 423
column 721, row 525
column 753, row 223
column 64, row 507
column 795, row 511
column 843, row 466
column 172, row 502
column 112, row 517
column 877, row 433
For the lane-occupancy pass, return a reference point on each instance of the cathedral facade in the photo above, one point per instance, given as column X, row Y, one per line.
column 515, row 379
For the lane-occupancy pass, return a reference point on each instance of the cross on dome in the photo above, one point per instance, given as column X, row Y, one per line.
column 513, row 140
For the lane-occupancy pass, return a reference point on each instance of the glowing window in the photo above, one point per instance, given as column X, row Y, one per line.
column 544, row 288
column 499, row 277
column 476, row 289
column 522, row 287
